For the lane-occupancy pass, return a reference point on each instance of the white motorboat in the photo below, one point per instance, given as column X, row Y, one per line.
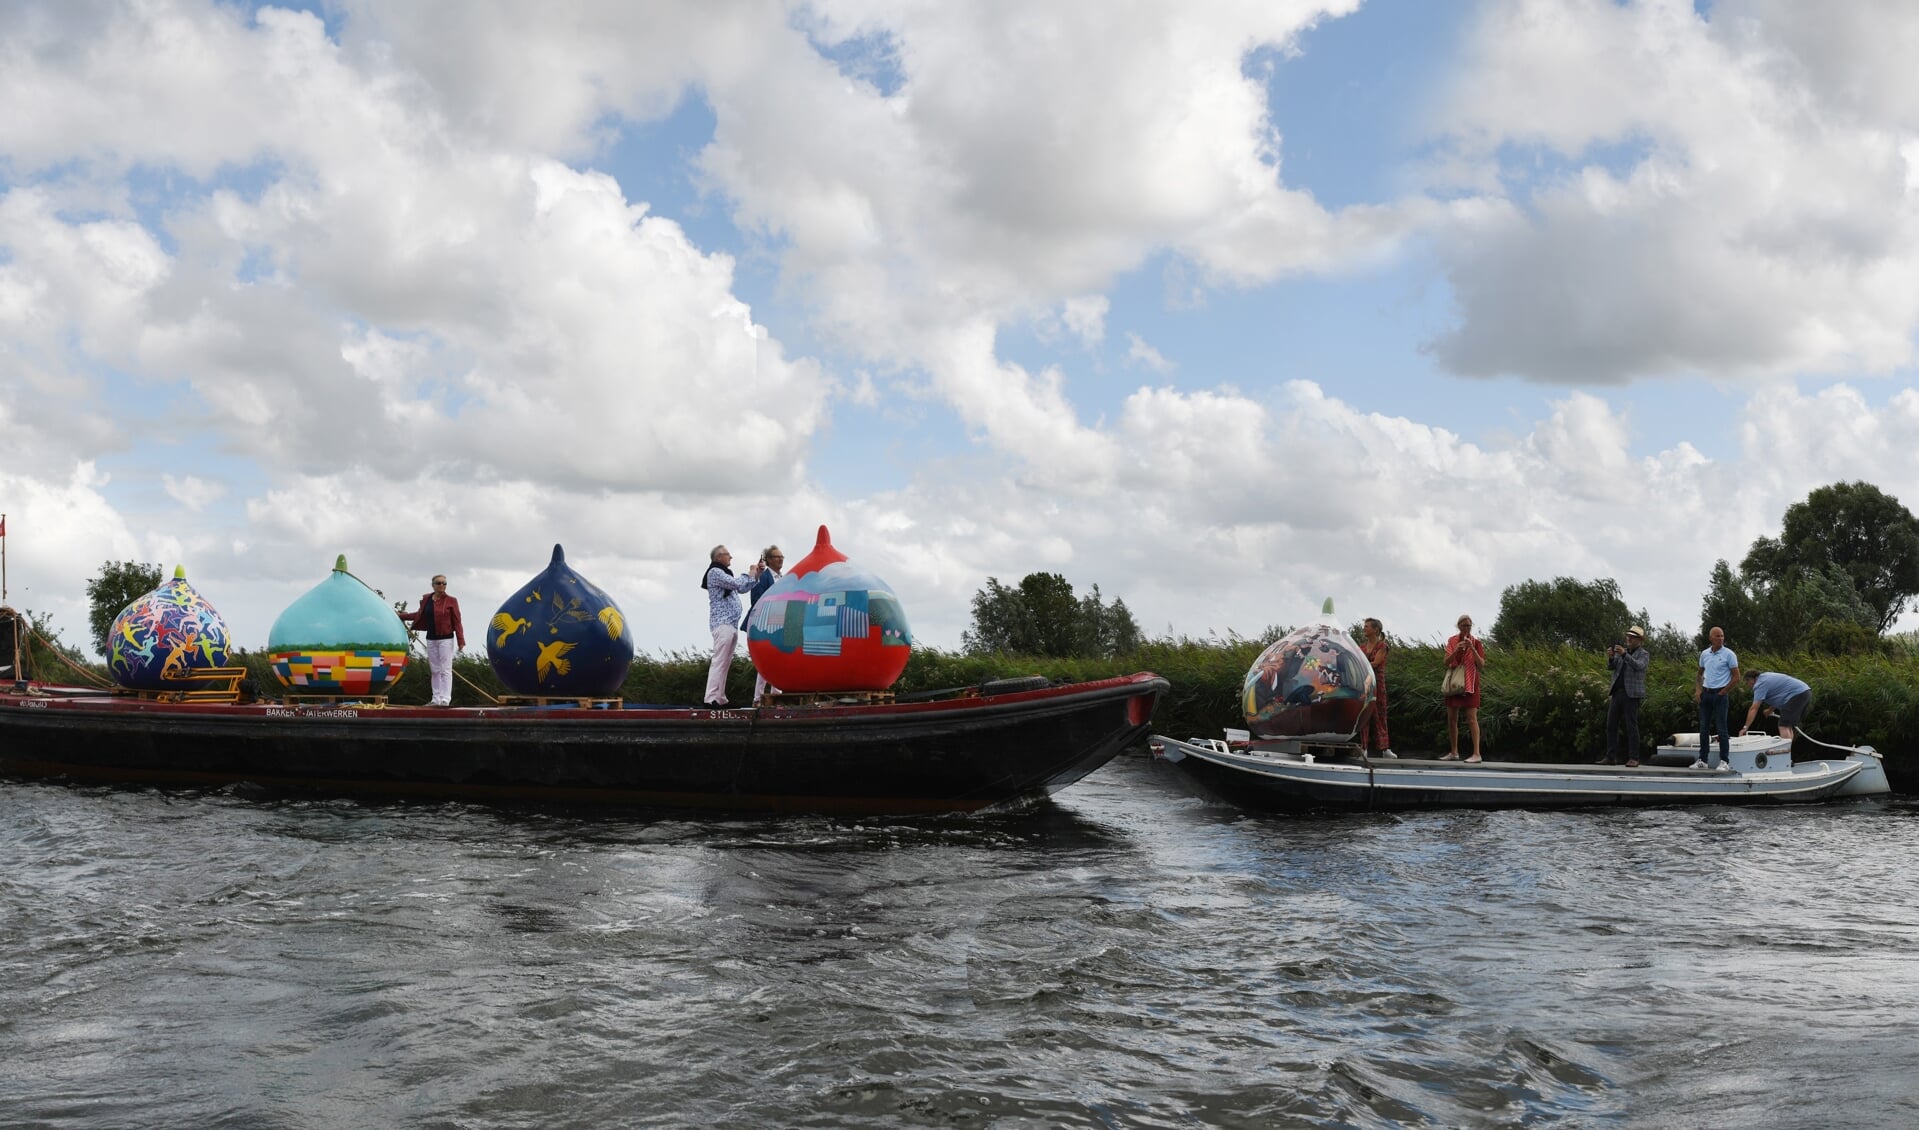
column 1291, row 773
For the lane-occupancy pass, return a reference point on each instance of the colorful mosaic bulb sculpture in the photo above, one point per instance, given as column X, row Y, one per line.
column 159, row 638
column 1313, row 683
column 341, row 638
column 829, row 625
column 560, row 635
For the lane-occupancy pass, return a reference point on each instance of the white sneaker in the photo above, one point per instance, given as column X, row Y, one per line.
column 1697, row 765
column 1389, row 753
column 1724, row 767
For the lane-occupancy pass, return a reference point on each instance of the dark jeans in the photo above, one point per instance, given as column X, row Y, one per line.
column 1713, row 706
column 1622, row 713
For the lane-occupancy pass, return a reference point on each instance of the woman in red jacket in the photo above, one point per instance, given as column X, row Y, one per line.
column 439, row 618
column 1468, row 651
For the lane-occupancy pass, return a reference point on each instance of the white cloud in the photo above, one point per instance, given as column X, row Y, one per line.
column 390, row 308
column 1138, row 352
column 193, row 492
column 1022, row 412
column 82, row 278
column 60, row 527
column 398, row 292
column 1026, row 158
column 151, row 82
column 1735, row 197
column 1085, row 317
column 1242, row 512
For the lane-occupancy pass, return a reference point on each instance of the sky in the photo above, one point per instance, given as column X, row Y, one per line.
column 1223, row 307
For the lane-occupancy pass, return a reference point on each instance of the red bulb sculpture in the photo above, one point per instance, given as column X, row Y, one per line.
column 828, row 625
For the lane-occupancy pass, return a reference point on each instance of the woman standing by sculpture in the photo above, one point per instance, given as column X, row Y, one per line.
column 1373, row 643
column 439, row 618
column 1465, row 654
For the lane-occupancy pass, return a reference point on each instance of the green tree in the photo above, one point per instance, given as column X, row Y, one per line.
column 1843, row 637
column 1124, row 636
column 1668, row 641
column 1780, row 615
column 1583, row 614
column 1730, row 606
column 998, row 621
column 119, row 584
column 1052, row 614
column 1812, row 596
column 1043, row 617
column 1863, row 531
column 1105, row 629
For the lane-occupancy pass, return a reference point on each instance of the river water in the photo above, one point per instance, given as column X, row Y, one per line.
column 1134, row 954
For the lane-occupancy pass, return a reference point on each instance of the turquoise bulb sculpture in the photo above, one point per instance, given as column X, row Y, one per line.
column 339, row 638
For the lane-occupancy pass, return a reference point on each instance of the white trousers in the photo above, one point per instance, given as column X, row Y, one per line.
column 725, row 638
column 760, row 687
column 439, row 660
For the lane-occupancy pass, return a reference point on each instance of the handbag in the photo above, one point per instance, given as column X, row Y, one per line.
column 1455, row 681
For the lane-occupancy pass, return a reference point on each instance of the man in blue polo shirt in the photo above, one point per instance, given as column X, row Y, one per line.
column 1780, row 694
column 1712, row 689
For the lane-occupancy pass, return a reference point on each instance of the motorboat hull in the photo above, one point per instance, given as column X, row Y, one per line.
column 1749, row 752
column 1281, row 776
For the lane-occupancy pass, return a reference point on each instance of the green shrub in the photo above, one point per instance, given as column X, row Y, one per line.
column 1844, row 637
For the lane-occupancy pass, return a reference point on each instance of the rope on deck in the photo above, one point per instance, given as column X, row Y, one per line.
column 81, row 671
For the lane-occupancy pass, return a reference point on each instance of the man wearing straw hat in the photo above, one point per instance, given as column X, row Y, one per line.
column 1627, row 661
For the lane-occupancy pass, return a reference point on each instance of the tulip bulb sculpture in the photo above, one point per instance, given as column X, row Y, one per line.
column 1314, row 682
column 340, row 638
column 829, row 625
column 158, row 639
column 560, row 635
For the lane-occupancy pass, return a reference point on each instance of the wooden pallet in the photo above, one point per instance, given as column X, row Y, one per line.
column 222, row 685
column 583, row 702
column 828, row 698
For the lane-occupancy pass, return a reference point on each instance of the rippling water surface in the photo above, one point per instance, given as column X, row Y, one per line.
column 1135, row 954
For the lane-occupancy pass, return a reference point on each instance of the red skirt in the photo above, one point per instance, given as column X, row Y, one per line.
column 1463, row 701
